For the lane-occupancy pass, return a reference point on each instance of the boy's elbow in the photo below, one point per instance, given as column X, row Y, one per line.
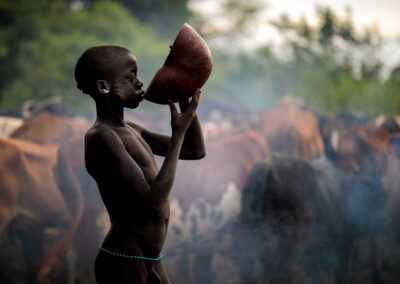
column 199, row 156
column 193, row 156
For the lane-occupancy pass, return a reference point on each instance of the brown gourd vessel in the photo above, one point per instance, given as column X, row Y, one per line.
column 186, row 68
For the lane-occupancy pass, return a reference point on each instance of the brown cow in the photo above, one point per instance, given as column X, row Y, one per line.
column 82, row 196
column 290, row 130
column 47, row 128
column 369, row 149
column 368, row 152
column 30, row 202
column 27, row 182
column 68, row 179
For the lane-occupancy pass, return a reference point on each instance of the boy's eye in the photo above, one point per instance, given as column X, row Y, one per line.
column 132, row 78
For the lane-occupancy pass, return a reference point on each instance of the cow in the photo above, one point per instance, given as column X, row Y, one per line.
column 82, row 197
column 33, row 214
column 30, row 156
column 291, row 130
column 369, row 149
column 48, row 128
column 369, row 154
column 291, row 219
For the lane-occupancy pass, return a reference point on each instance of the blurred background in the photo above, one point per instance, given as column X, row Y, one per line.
column 334, row 56
column 301, row 183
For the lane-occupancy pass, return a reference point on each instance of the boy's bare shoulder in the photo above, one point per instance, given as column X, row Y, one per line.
column 101, row 134
column 138, row 128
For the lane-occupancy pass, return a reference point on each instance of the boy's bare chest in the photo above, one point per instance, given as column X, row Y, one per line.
column 139, row 150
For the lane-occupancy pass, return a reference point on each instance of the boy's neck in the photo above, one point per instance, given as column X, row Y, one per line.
column 110, row 113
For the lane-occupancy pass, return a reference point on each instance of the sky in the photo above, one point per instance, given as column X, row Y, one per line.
column 383, row 14
column 386, row 13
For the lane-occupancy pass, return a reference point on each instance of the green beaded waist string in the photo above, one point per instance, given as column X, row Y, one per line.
column 131, row 256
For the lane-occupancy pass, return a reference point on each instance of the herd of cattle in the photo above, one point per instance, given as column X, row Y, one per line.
column 286, row 196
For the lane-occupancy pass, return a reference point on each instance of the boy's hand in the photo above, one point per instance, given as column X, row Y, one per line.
column 180, row 121
column 185, row 103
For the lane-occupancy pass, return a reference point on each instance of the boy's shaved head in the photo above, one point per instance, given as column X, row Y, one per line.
column 96, row 63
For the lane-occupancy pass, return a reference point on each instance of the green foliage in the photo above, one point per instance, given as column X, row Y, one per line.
column 327, row 28
column 51, row 39
column 231, row 19
column 166, row 15
column 330, row 66
column 328, row 76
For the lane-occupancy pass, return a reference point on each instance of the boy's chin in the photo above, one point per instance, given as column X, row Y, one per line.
column 132, row 105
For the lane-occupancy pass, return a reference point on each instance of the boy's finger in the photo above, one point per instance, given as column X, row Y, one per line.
column 197, row 91
column 183, row 104
column 195, row 99
column 172, row 106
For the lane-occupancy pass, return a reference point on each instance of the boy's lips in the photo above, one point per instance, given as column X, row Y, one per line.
column 141, row 93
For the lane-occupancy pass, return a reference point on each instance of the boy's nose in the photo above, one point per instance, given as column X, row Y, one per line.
column 139, row 84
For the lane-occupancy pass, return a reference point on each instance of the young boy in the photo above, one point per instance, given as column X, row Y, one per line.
column 119, row 155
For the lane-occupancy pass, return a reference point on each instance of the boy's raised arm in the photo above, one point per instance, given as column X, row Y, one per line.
column 193, row 146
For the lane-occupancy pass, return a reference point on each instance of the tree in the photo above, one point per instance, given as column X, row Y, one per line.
column 55, row 35
column 232, row 20
column 333, row 65
column 167, row 15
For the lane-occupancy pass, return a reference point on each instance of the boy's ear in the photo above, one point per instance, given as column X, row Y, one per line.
column 103, row 86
